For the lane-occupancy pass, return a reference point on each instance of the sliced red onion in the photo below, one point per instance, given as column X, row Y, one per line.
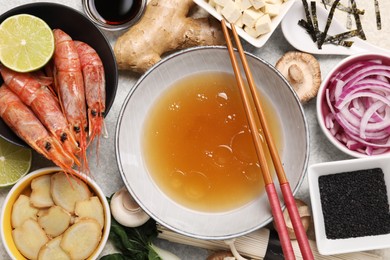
column 358, row 98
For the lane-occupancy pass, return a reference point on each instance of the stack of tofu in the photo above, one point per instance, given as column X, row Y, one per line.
column 254, row 16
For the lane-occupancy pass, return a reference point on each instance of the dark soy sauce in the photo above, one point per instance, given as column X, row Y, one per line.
column 115, row 12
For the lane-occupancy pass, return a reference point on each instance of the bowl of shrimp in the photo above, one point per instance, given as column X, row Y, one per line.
column 68, row 115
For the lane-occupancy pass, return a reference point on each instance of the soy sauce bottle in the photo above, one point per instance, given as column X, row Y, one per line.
column 114, row 14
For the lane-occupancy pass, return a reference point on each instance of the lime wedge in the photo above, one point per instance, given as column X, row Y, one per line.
column 15, row 162
column 26, row 43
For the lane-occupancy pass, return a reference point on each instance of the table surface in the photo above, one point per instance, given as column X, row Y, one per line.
column 106, row 173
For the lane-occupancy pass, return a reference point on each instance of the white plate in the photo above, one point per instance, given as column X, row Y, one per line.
column 301, row 40
column 158, row 205
column 339, row 246
column 262, row 39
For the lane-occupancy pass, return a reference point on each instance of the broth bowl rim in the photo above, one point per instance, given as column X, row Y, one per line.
column 122, row 171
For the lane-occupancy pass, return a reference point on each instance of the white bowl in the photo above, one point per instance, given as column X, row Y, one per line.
column 322, row 107
column 22, row 185
column 328, row 246
column 129, row 133
column 262, row 39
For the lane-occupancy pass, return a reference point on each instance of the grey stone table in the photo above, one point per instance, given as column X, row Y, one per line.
column 106, row 172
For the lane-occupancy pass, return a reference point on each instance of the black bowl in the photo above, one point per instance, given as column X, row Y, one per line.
column 79, row 27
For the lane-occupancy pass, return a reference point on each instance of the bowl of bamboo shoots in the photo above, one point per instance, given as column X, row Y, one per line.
column 50, row 214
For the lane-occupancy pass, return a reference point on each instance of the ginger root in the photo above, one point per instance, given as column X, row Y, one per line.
column 163, row 28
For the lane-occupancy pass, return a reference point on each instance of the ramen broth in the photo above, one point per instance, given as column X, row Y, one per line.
column 197, row 144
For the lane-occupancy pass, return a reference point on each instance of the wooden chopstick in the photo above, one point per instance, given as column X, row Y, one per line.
column 269, row 185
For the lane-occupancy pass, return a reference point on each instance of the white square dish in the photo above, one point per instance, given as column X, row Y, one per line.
column 328, row 246
column 262, row 39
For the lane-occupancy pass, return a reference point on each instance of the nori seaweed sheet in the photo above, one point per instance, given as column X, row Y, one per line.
column 309, row 23
column 343, row 8
column 321, row 37
column 357, row 20
column 378, row 15
column 328, row 23
column 313, row 10
column 355, row 204
column 341, row 36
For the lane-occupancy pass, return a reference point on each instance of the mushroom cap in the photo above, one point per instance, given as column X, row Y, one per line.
column 126, row 211
column 302, row 71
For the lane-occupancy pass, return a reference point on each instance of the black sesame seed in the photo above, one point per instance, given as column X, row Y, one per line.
column 355, row 204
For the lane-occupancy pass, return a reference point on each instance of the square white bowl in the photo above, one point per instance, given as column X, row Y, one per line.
column 262, row 39
column 345, row 245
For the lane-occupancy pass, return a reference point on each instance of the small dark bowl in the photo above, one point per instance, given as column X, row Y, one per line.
column 79, row 27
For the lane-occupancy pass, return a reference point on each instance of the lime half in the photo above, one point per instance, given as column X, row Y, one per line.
column 15, row 162
column 26, row 43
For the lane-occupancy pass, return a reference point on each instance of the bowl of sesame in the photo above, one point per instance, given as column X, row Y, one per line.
column 350, row 204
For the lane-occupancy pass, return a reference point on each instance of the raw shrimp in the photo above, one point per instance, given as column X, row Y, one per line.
column 69, row 83
column 44, row 105
column 95, row 88
column 28, row 127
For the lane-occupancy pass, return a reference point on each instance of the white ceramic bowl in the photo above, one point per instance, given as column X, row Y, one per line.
column 22, row 185
column 328, row 246
column 323, row 108
column 129, row 133
column 262, row 39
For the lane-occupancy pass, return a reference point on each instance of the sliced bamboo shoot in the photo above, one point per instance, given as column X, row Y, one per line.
column 22, row 210
column 55, row 221
column 81, row 239
column 67, row 191
column 29, row 238
column 52, row 250
column 40, row 194
column 91, row 208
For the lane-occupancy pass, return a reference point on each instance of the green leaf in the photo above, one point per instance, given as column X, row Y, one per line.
column 153, row 255
column 133, row 243
column 116, row 256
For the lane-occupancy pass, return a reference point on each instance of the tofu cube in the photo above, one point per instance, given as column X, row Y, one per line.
column 272, row 10
column 250, row 16
column 263, row 24
column 212, row 3
column 222, row 2
column 239, row 22
column 257, row 4
column 273, row 2
column 251, row 31
column 219, row 8
column 244, row 4
column 231, row 12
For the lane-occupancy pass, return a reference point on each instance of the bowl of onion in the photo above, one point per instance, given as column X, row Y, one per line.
column 353, row 106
